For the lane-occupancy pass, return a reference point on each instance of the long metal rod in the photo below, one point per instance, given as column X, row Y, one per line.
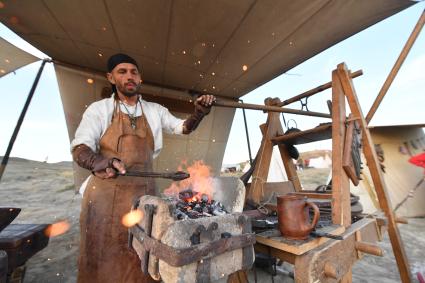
column 247, row 134
column 231, row 104
column 396, row 67
column 315, row 90
column 21, row 119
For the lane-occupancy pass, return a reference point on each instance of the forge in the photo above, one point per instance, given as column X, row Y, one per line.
column 204, row 248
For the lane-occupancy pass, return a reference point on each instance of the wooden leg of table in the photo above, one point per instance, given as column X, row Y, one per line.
column 347, row 277
column 240, row 276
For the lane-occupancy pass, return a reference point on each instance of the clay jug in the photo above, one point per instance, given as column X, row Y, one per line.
column 293, row 216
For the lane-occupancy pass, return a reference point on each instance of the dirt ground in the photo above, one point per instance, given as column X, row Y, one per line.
column 46, row 195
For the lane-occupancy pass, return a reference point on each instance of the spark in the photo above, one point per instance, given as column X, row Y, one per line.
column 213, row 73
column 90, row 81
column 2, row 71
column 132, row 218
column 244, row 67
column 100, row 54
column 184, row 52
column 14, row 20
column 57, row 229
column 7, row 61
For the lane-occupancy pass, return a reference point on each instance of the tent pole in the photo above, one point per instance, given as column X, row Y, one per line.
column 247, row 134
column 21, row 119
column 396, row 67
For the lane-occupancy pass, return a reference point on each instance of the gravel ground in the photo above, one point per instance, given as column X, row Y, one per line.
column 46, row 195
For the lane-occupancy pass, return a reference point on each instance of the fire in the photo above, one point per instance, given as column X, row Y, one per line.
column 57, row 229
column 200, row 181
column 132, row 218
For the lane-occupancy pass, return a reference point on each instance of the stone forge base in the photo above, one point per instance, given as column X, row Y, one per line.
column 179, row 234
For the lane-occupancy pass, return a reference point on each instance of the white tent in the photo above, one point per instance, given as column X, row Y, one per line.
column 398, row 144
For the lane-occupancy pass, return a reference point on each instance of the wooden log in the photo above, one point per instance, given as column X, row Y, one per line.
column 375, row 171
column 396, row 67
column 341, row 206
column 369, row 248
column 316, row 90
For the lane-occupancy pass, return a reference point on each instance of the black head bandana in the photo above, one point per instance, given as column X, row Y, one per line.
column 119, row 58
column 116, row 59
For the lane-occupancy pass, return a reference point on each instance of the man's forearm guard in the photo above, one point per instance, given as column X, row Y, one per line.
column 86, row 158
column 193, row 121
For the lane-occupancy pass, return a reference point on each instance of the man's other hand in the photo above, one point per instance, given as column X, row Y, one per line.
column 205, row 100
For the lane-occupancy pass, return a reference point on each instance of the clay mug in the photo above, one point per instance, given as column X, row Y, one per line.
column 293, row 216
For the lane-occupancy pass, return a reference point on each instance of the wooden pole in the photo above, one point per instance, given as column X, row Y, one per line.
column 341, row 207
column 231, row 104
column 396, row 67
column 315, row 90
column 21, row 118
column 376, row 174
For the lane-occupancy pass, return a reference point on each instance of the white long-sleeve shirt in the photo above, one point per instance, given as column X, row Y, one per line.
column 97, row 118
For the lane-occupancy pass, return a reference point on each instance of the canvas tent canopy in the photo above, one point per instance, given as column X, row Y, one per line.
column 13, row 58
column 226, row 48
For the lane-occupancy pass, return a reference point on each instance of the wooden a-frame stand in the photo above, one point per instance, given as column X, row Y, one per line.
column 324, row 260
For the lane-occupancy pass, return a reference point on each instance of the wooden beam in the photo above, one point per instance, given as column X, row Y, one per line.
column 267, row 108
column 370, row 190
column 291, row 170
column 375, row 171
column 262, row 164
column 341, row 206
column 369, row 248
column 396, row 67
column 282, row 255
column 315, row 90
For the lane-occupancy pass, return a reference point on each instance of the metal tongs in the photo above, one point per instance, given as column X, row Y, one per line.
column 175, row 176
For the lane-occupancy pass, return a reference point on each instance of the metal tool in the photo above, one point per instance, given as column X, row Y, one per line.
column 326, row 235
column 175, row 176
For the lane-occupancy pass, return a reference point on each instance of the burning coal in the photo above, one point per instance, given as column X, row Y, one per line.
column 200, row 180
column 191, row 205
column 193, row 196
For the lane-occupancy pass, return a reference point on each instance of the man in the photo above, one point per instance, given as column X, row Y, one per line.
column 115, row 134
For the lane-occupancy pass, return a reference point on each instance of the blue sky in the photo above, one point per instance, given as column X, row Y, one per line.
column 43, row 133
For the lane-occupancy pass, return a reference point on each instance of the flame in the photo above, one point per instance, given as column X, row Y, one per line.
column 132, row 218
column 200, row 180
column 57, row 229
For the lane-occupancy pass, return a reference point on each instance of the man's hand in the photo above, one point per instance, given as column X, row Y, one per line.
column 111, row 172
column 205, row 100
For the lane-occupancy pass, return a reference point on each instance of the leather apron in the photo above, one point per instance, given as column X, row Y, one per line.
column 104, row 252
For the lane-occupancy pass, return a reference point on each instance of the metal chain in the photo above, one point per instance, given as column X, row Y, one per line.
column 304, row 104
